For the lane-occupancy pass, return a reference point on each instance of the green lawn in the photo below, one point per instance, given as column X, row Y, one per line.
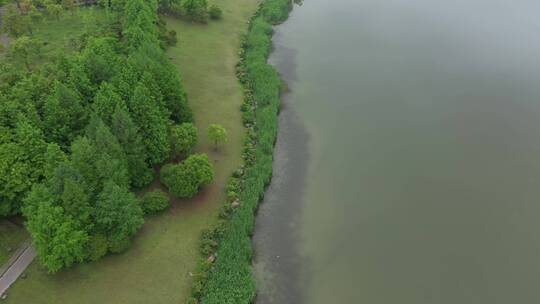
column 11, row 237
column 156, row 268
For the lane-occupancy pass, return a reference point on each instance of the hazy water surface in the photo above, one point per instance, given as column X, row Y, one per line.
column 408, row 164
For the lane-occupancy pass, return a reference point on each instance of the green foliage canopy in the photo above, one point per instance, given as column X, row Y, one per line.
column 77, row 133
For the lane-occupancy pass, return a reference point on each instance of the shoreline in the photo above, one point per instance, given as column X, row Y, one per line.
column 278, row 264
column 225, row 273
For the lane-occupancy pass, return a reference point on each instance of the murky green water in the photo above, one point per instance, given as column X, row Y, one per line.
column 408, row 164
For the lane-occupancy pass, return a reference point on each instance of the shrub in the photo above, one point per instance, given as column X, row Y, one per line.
column 155, row 201
column 215, row 12
column 186, row 178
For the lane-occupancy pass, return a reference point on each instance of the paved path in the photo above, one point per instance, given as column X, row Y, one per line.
column 16, row 266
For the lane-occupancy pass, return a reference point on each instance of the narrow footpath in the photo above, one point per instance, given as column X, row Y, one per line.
column 15, row 266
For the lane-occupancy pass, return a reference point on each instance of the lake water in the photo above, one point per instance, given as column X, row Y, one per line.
column 408, row 162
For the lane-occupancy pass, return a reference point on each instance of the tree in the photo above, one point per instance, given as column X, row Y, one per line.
column 21, row 164
column 139, row 28
column 24, row 50
column 58, row 238
column 149, row 59
column 129, row 138
column 84, row 157
column 185, row 179
column 76, row 202
column 22, row 98
column 184, row 138
column 105, row 102
column 118, row 215
column 54, row 156
column 196, row 9
column 148, row 81
column 104, row 141
column 151, row 123
column 14, row 178
column 75, row 75
column 100, row 60
column 64, row 115
column 155, row 201
column 217, row 134
column 113, row 169
column 94, row 159
column 63, row 172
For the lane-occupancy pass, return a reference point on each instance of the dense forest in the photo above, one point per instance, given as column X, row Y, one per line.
column 81, row 132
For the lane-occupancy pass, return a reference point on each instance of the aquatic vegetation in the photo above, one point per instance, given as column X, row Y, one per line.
column 225, row 275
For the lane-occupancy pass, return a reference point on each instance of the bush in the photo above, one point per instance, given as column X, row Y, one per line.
column 186, row 178
column 215, row 12
column 154, row 201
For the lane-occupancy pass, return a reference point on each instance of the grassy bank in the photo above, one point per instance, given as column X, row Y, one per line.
column 156, row 269
column 230, row 280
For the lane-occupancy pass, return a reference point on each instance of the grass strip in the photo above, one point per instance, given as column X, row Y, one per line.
column 224, row 274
